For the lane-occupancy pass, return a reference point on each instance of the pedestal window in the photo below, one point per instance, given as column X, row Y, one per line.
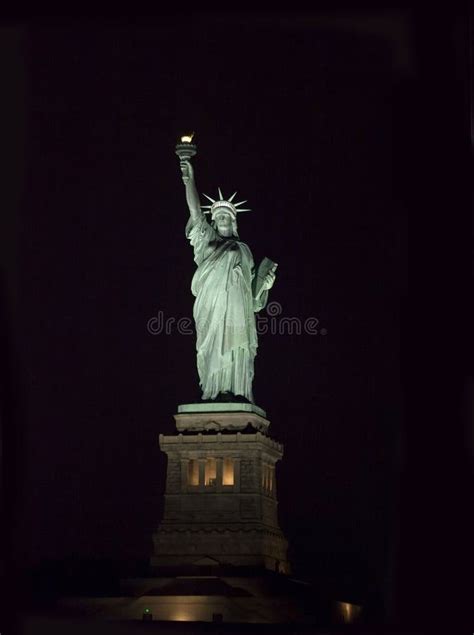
column 271, row 485
column 268, row 478
column 228, row 472
column 193, row 472
column 210, row 473
column 219, row 473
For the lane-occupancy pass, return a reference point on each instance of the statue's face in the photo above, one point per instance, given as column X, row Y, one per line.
column 224, row 223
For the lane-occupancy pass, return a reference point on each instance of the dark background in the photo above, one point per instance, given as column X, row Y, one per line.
column 346, row 132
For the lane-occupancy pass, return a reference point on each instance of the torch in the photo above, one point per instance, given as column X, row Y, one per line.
column 186, row 148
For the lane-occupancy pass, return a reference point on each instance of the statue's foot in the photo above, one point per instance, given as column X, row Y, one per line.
column 229, row 397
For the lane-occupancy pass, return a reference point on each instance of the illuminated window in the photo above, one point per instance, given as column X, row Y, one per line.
column 210, row 472
column 268, row 478
column 193, row 472
column 228, row 472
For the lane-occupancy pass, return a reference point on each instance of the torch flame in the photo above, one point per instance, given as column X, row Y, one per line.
column 187, row 138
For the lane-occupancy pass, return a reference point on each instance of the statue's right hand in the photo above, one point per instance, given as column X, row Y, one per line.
column 186, row 170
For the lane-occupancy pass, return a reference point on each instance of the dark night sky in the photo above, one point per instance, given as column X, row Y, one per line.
column 320, row 124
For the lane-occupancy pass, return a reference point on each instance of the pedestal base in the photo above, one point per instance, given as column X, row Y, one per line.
column 220, row 499
column 219, row 544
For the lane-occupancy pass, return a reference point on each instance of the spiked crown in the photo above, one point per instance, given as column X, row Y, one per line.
column 223, row 204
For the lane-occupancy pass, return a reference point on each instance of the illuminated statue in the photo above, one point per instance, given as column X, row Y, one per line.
column 228, row 293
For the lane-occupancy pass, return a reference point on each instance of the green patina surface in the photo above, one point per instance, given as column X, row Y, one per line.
column 228, row 291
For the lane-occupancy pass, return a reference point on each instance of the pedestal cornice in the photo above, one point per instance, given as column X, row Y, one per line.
column 228, row 406
column 218, row 419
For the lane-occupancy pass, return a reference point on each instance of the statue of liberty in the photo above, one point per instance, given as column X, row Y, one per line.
column 228, row 293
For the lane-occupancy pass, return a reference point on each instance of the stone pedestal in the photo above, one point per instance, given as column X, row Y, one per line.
column 220, row 498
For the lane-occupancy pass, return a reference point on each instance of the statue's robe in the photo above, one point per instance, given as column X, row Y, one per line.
column 224, row 311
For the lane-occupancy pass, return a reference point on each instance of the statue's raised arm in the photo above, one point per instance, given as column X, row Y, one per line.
column 192, row 197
